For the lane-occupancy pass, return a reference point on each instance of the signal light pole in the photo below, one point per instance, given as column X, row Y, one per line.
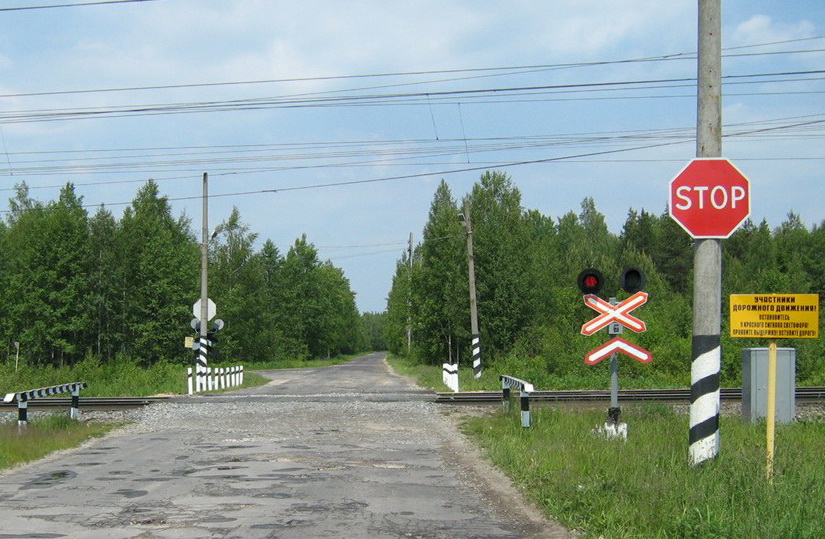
column 614, row 315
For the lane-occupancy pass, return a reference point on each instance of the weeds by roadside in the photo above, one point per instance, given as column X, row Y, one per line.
column 43, row 436
column 644, row 487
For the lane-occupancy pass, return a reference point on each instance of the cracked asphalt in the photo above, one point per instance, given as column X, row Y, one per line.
column 346, row 451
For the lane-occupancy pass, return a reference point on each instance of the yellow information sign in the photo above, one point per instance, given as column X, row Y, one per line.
column 774, row 316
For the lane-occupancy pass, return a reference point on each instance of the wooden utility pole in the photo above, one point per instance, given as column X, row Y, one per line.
column 707, row 258
column 476, row 338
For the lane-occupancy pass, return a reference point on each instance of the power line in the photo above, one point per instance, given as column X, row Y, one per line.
column 411, row 176
column 504, row 70
column 78, row 4
column 277, row 102
column 226, row 160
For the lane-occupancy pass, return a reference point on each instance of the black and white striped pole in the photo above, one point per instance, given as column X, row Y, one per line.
column 476, row 337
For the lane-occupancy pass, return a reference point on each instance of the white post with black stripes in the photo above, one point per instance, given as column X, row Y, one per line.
column 449, row 376
column 706, row 354
column 74, row 412
column 22, row 413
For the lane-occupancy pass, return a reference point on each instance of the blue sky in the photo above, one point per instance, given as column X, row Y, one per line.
column 278, row 100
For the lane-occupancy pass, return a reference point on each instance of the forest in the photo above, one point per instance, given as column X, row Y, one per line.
column 75, row 286
column 530, row 310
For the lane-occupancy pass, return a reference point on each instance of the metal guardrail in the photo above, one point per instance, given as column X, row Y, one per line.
column 90, row 403
column 22, row 398
column 525, row 392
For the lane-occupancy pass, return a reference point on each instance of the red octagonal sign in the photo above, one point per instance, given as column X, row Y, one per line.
column 710, row 198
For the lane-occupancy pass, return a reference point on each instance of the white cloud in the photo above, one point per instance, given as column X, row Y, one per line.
column 763, row 29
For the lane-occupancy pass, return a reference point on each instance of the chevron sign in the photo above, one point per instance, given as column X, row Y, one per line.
column 617, row 344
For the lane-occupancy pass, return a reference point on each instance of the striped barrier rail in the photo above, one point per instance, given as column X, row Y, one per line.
column 525, row 389
column 212, row 379
column 23, row 397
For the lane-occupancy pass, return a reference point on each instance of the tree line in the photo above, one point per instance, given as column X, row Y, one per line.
column 74, row 285
column 530, row 310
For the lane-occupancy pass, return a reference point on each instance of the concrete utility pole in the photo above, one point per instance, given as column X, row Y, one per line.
column 202, row 344
column 473, row 305
column 707, row 258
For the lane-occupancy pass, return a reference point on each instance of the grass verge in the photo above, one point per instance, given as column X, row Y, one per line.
column 124, row 378
column 43, row 436
column 644, row 487
column 429, row 376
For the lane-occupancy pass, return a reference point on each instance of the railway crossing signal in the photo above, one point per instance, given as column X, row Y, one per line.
column 590, row 281
column 632, row 280
column 615, row 315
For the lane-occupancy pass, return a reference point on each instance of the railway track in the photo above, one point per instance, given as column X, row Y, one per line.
column 813, row 393
column 626, row 395
column 87, row 403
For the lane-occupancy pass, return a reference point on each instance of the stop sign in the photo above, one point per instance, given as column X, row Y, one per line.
column 710, row 198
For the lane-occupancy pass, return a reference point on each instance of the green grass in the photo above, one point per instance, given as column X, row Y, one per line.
column 123, row 377
column 115, row 378
column 429, row 376
column 597, row 377
column 644, row 487
column 43, row 436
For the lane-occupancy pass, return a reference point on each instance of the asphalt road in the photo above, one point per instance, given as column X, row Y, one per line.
column 346, row 451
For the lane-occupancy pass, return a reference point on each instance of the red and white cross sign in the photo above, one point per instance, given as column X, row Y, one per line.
column 619, row 313
column 617, row 344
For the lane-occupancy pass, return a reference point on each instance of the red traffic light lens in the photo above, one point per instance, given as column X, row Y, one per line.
column 590, row 281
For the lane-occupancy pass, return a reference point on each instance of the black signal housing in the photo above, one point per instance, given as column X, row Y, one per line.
column 633, row 279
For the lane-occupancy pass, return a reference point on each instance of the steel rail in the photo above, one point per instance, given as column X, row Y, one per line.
column 735, row 393
column 87, row 403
